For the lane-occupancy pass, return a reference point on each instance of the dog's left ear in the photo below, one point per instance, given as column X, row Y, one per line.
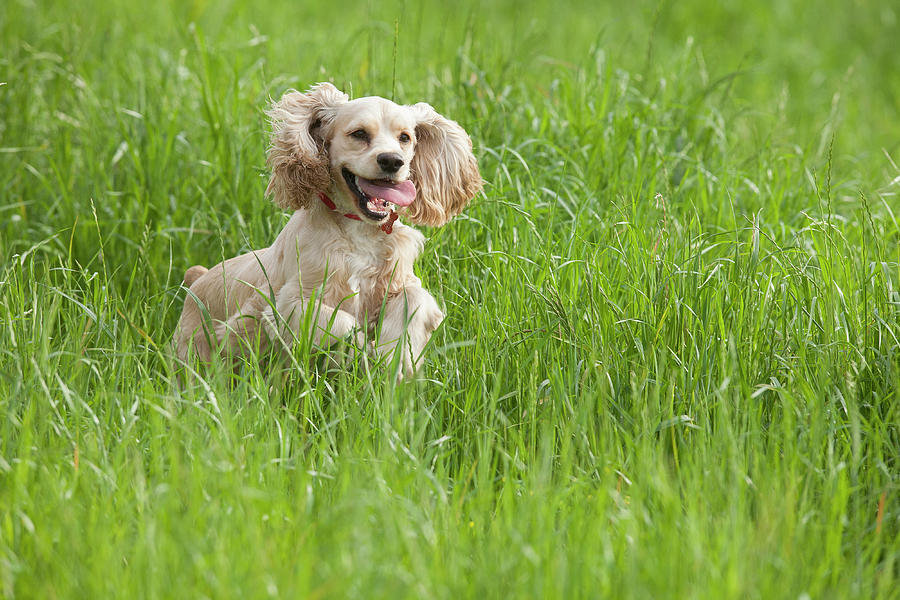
column 443, row 168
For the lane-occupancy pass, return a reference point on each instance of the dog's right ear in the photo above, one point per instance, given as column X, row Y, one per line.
column 297, row 154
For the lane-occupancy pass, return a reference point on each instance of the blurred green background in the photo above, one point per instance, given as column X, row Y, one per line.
column 670, row 363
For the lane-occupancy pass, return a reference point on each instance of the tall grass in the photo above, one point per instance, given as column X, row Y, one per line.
column 670, row 364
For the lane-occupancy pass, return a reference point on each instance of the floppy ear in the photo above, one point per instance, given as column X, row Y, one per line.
column 297, row 156
column 443, row 168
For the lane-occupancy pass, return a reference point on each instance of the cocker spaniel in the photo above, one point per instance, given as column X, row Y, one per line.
column 343, row 263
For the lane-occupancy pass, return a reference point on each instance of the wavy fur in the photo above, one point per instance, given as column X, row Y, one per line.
column 297, row 154
column 444, row 169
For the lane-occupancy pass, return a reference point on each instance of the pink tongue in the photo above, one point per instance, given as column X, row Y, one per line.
column 401, row 194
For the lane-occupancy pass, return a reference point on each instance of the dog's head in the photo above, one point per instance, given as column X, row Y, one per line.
column 380, row 156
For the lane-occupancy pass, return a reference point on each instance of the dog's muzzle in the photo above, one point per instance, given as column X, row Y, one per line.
column 377, row 197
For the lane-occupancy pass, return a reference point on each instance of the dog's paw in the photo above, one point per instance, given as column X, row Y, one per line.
column 342, row 326
column 343, row 353
column 432, row 319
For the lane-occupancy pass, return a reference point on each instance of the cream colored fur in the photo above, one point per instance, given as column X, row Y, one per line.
column 339, row 275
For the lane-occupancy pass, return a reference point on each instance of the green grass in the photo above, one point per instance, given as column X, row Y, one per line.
column 670, row 365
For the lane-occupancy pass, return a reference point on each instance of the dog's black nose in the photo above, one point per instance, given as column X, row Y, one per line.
column 390, row 162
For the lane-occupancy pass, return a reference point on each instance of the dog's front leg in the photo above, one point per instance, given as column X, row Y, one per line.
column 409, row 319
column 298, row 317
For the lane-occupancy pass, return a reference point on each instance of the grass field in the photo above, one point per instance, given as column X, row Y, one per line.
column 670, row 365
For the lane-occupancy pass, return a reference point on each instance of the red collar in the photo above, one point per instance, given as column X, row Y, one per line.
column 387, row 227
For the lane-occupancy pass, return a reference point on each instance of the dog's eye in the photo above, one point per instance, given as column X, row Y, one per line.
column 360, row 134
column 404, row 137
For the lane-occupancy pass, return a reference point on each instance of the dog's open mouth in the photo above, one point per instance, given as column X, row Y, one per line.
column 378, row 197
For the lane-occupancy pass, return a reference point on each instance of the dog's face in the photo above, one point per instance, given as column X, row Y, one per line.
column 378, row 156
column 370, row 148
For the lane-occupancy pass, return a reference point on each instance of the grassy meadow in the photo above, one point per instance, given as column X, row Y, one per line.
column 670, row 366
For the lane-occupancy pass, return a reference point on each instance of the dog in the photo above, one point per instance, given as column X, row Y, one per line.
column 343, row 264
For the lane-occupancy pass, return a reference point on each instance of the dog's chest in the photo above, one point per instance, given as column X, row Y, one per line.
column 363, row 272
column 367, row 278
